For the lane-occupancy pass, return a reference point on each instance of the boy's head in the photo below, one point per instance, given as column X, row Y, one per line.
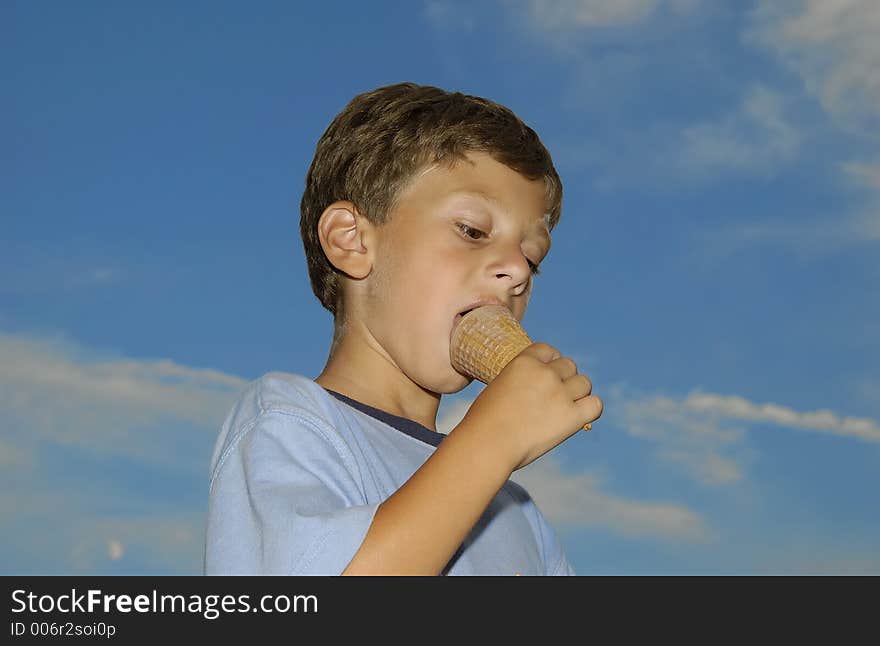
column 385, row 137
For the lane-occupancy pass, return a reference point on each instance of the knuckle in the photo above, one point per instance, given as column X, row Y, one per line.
column 546, row 347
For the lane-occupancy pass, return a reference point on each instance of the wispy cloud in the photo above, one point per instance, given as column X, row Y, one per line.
column 703, row 434
column 577, row 500
column 65, row 531
column 821, row 421
column 13, row 457
column 818, row 555
column 863, row 173
column 71, row 418
column 833, row 46
column 756, row 137
column 556, row 15
column 808, row 236
column 35, row 270
column 57, row 391
column 696, row 444
column 444, row 14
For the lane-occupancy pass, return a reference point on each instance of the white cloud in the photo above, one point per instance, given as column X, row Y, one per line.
column 14, row 457
column 706, row 466
column 578, row 500
column 51, row 529
column 810, row 554
column 554, row 15
column 863, row 173
column 821, row 421
column 755, row 137
column 446, row 15
column 54, row 390
column 29, row 270
column 807, row 236
column 69, row 414
column 703, row 434
column 833, row 46
column 693, row 442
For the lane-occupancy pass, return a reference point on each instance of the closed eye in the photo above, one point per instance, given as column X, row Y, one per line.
column 467, row 231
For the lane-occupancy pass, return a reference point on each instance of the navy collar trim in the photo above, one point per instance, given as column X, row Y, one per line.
column 402, row 424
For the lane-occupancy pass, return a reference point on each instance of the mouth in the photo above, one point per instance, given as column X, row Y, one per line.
column 458, row 317
column 470, row 308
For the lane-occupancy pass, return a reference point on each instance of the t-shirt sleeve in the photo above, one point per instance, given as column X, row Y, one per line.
column 563, row 567
column 286, row 498
column 552, row 552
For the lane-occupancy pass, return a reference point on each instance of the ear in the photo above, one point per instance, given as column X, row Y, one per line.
column 347, row 239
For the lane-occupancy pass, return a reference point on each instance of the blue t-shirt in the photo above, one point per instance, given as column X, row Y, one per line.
column 298, row 473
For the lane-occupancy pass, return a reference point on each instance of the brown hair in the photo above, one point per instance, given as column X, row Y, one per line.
column 384, row 137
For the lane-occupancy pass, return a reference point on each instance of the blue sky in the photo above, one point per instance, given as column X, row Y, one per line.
column 715, row 271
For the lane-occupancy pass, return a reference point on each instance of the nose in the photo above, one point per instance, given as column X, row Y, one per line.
column 512, row 268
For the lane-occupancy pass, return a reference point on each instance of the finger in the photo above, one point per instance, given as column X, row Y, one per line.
column 564, row 367
column 578, row 386
column 590, row 408
column 544, row 352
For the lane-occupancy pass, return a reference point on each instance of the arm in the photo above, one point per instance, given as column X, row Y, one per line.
column 536, row 402
column 417, row 530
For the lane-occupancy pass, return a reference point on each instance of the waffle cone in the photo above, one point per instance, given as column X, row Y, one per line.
column 485, row 341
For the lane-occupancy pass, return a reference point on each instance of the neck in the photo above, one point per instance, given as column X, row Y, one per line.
column 359, row 368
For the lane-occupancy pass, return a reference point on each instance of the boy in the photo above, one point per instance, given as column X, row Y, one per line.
column 419, row 205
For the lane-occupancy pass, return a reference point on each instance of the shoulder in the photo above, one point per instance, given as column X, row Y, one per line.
column 277, row 392
column 282, row 405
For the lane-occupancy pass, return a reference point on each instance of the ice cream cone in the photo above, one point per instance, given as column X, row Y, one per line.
column 484, row 342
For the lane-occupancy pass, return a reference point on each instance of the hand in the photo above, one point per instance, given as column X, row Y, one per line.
column 537, row 402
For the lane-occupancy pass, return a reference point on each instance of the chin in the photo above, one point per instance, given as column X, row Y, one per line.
column 456, row 384
column 449, row 384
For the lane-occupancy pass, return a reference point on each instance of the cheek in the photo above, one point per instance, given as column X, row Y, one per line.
column 431, row 269
column 380, row 281
column 521, row 303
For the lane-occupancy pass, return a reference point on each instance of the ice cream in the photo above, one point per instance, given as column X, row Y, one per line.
column 485, row 340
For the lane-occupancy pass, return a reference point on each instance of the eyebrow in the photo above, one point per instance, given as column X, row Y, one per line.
column 540, row 226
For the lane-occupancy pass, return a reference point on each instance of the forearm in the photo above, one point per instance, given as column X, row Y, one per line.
column 417, row 530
